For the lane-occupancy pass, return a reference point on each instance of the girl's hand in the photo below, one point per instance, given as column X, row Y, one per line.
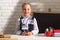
column 23, row 33
column 26, row 33
column 30, row 33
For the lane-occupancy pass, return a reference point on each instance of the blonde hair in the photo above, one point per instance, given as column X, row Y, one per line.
column 25, row 4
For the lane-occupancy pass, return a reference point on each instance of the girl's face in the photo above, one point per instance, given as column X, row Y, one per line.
column 26, row 9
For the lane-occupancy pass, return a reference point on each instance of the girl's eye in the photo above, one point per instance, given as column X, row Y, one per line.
column 24, row 9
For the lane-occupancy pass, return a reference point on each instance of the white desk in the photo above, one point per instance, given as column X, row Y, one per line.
column 36, row 37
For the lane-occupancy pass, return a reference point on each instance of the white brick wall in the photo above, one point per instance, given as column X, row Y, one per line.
column 10, row 10
column 6, row 11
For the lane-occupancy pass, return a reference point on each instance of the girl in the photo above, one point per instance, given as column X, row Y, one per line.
column 27, row 24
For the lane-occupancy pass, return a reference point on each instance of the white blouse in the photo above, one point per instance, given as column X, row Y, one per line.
column 27, row 21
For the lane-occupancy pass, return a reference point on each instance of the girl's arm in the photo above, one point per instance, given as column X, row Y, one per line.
column 35, row 31
column 17, row 31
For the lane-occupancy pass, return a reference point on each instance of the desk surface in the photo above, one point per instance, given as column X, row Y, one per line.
column 35, row 37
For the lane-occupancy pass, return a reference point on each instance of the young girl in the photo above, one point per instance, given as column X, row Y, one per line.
column 27, row 24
